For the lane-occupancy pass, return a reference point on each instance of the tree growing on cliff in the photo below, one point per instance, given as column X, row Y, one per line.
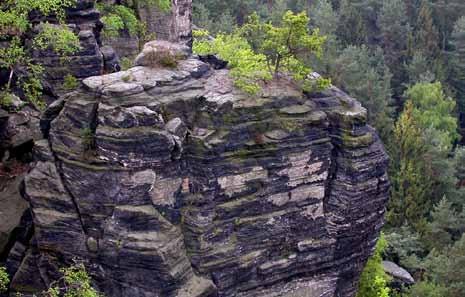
column 74, row 282
column 16, row 57
column 124, row 16
column 260, row 51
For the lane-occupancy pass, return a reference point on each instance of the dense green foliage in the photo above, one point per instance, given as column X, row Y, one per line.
column 117, row 18
column 57, row 38
column 14, row 24
column 70, row 82
column 260, row 51
column 404, row 60
column 247, row 67
column 124, row 17
column 4, row 280
column 373, row 281
column 75, row 282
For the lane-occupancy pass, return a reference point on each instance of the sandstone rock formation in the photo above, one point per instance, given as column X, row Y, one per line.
column 84, row 20
column 174, row 25
column 171, row 182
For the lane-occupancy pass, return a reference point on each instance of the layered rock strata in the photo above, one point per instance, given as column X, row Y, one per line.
column 173, row 25
column 171, row 182
column 84, row 20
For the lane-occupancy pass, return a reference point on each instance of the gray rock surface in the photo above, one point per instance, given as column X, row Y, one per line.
column 171, row 182
column 84, row 20
column 12, row 208
column 173, row 25
column 398, row 273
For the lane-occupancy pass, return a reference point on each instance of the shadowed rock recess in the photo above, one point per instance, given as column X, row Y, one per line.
column 171, row 182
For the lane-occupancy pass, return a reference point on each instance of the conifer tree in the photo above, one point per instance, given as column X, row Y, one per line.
column 457, row 65
column 446, row 13
column 363, row 74
column 426, row 36
column 445, row 227
column 324, row 17
column 410, row 201
column 394, row 29
column 351, row 28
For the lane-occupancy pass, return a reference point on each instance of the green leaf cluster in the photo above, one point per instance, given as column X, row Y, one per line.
column 373, row 281
column 75, row 282
column 247, row 67
column 57, row 38
column 14, row 24
column 14, row 13
column 4, row 280
column 70, row 82
column 260, row 51
column 432, row 108
column 118, row 17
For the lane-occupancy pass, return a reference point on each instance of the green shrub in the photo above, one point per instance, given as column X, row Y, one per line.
column 74, row 283
column 14, row 21
column 248, row 68
column 373, row 281
column 6, row 99
column 118, row 17
column 4, row 280
column 260, row 51
column 58, row 38
column 126, row 63
column 88, row 139
column 70, row 82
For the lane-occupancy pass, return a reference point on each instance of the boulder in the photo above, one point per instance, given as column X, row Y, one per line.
column 399, row 274
column 161, row 53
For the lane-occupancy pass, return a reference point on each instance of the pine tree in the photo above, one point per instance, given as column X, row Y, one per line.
column 445, row 227
column 410, row 201
column 426, row 34
column 459, row 162
column 457, row 65
column 446, row 13
column 394, row 29
column 419, row 69
column 433, row 109
column 446, row 268
column 324, row 17
column 364, row 75
column 351, row 28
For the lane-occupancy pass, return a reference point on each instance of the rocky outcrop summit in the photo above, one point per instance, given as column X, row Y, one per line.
column 171, row 182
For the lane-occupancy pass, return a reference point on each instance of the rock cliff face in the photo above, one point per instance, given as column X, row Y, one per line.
column 173, row 25
column 84, row 20
column 170, row 182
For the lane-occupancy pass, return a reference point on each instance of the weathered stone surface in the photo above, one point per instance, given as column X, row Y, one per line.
column 171, row 182
column 84, row 20
column 154, row 52
column 12, row 208
column 173, row 25
column 399, row 274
